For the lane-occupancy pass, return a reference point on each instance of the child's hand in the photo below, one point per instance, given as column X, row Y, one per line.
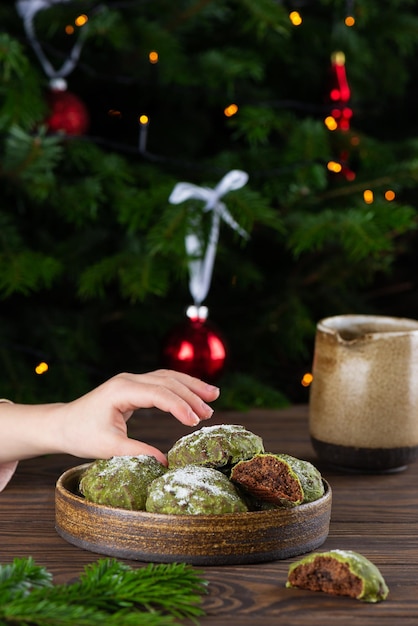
column 94, row 426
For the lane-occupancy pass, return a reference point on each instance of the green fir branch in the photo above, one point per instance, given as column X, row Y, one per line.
column 107, row 592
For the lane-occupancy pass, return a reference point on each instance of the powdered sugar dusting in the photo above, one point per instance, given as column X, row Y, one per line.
column 215, row 446
column 129, row 463
column 193, row 489
column 186, row 479
column 209, row 431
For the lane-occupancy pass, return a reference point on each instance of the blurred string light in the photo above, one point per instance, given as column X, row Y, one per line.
column 349, row 13
column 330, row 122
column 340, row 92
column 28, row 10
column 143, row 133
column 334, row 166
column 80, row 20
column 338, row 119
column 295, row 17
column 42, row 368
column 368, row 196
column 307, row 379
column 340, row 115
column 230, row 110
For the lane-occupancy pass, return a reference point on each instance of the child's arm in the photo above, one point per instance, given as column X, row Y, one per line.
column 94, row 426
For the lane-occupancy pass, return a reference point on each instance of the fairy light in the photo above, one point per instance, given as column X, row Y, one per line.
column 69, row 29
column 347, row 113
column 335, row 167
column 306, row 379
column 81, row 20
column 143, row 133
column 331, row 123
column 41, row 368
column 230, row 110
column 368, row 196
column 349, row 21
column 295, row 17
column 153, row 57
column 344, row 124
column 389, row 195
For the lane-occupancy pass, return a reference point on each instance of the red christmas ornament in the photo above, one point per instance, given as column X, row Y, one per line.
column 195, row 347
column 68, row 114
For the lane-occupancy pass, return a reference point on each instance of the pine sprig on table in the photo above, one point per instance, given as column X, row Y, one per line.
column 107, row 592
column 19, row 578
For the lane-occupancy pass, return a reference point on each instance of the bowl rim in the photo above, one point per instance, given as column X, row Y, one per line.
column 63, row 490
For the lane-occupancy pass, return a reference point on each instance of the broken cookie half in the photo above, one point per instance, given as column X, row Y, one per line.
column 339, row 573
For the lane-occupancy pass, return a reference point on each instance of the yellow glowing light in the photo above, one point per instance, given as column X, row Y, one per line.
column 330, row 123
column 295, row 18
column 81, row 20
column 231, row 110
column 143, row 119
column 153, row 56
column 306, row 379
column 389, row 195
column 338, row 58
column 41, row 368
column 335, row 167
column 368, row 196
column 69, row 29
column 349, row 20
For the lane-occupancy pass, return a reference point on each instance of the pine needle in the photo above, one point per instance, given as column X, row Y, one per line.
column 107, row 592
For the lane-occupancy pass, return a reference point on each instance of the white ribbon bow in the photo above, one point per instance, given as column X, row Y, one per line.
column 27, row 10
column 201, row 265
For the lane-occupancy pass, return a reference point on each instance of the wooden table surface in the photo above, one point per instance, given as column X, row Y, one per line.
column 376, row 515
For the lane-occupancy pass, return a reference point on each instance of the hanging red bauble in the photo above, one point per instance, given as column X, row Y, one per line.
column 195, row 347
column 68, row 114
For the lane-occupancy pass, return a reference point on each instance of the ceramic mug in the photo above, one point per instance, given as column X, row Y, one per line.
column 363, row 405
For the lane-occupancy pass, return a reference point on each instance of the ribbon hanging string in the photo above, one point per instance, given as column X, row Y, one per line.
column 27, row 9
column 202, row 258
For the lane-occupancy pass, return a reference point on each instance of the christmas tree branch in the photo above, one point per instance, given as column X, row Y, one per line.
column 108, row 591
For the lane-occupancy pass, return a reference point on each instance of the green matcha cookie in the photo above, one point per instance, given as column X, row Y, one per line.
column 278, row 480
column 215, row 446
column 121, row 481
column 266, row 477
column 339, row 573
column 194, row 490
column 310, row 478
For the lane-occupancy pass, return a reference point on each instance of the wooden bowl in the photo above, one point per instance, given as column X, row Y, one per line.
column 228, row 539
